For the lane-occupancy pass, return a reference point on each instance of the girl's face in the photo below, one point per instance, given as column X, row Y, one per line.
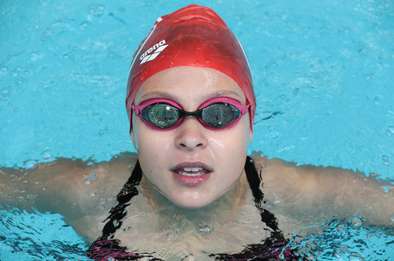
column 222, row 151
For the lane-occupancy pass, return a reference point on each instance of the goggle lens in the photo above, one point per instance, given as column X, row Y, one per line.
column 161, row 115
column 220, row 115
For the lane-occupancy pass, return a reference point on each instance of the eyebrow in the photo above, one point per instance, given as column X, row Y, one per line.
column 167, row 95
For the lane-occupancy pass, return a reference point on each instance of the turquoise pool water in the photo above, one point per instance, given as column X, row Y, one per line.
column 323, row 75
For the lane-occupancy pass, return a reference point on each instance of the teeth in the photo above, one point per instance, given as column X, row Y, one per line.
column 192, row 169
column 190, row 174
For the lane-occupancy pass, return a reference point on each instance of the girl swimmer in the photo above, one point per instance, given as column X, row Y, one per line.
column 193, row 190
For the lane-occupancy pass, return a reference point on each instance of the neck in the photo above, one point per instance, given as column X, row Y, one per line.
column 224, row 209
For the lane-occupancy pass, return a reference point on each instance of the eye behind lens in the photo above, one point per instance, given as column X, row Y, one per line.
column 220, row 115
column 161, row 115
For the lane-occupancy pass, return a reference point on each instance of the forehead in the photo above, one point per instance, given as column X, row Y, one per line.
column 189, row 84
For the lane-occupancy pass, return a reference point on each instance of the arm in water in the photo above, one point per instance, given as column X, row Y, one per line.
column 79, row 191
column 314, row 193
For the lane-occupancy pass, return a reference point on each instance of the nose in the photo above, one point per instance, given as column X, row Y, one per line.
column 190, row 135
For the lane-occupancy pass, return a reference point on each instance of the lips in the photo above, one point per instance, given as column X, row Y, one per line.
column 191, row 174
column 192, row 168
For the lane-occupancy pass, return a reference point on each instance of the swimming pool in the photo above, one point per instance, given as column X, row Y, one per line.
column 322, row 74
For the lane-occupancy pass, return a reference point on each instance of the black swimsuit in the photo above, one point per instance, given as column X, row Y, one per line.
column 272, row 248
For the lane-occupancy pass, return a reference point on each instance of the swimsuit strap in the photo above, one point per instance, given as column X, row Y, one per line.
column 106, row 246
column 255, row 182
column 118, row 212
column 271, row 248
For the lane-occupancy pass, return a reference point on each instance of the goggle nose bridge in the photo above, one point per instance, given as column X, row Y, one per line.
column 197, row 114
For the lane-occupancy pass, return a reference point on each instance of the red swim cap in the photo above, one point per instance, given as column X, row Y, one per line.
column 191, row 36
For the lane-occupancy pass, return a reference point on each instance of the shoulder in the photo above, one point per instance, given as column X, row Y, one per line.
column 274, row 168
column 281, row 179
column 103, row 180
column 75, row 174
column 83, row 192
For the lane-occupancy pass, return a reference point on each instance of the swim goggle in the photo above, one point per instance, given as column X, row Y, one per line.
column 165, row 114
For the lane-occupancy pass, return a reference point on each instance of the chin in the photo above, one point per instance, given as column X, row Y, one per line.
column 189, row 203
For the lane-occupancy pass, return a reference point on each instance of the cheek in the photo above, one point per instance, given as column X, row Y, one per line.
column 147, row 140
column 229, row 147
column 233, row 140
column 153, row 146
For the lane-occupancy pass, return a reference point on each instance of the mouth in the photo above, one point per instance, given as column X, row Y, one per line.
column 191, row 168
column 191, row 173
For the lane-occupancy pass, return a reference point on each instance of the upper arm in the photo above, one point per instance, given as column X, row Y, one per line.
column 283, row 182
column 80, row 192
column 42, row 187
column 314, row 193
column 346, row 193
